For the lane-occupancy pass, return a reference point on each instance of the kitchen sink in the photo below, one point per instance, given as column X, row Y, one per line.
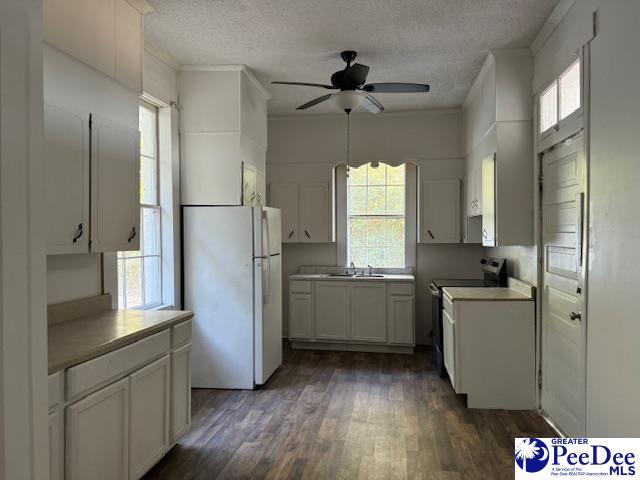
column 347, row 275
column 372, row 275
column 352, row 275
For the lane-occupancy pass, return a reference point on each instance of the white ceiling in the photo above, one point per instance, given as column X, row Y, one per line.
column 440, row 42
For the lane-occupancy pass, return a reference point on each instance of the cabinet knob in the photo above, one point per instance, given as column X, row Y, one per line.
column 78, row 234
column 575, row 316
column 132, row 234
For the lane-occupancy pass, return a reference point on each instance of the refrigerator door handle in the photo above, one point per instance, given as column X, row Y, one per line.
column 265, row 297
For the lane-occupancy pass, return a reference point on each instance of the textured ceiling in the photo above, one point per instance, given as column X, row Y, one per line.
column 440, row 42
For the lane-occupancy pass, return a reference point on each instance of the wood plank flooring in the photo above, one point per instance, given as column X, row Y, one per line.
column 346, row 415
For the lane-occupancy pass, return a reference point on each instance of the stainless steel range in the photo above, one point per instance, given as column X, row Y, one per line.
column 495, row 275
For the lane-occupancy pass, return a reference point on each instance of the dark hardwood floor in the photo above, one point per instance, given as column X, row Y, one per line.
column 347, row 415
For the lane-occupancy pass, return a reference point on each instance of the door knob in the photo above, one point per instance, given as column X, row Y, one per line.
column 575, row 316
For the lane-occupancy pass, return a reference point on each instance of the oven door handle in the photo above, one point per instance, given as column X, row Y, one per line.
column 434, row 290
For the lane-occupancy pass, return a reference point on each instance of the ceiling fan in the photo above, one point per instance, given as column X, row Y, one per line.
column 353, row 91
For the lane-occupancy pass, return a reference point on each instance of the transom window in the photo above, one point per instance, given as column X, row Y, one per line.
column 139, row 279
column 561, row 98
column 376, row 215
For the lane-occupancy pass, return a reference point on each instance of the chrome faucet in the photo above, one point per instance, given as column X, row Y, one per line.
column 352, row 267
column 370, row 269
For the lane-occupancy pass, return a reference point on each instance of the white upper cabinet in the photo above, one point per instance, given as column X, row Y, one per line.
column 223, row 122
column 285, row 197
column 498, row 120
column 105, row 34
column 315, row 219
column 440, row 211
column 66, row 132
column 115, row 184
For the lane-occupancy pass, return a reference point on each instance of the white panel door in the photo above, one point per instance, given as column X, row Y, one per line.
column 180, row 391
column 401, row 318
column 369, row 312
column 149, row 416
column 332, row 311
column 97, row 435
column 315, row 206
column 489, row 202
column 285, row 197
column 66, row 158
column 56, row 445
column 440, row 211
column 300, row 315
column 563, row 289
column 115, row 182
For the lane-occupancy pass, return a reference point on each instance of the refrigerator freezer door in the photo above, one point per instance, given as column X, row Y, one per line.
column 268, row 307
column 219, row 289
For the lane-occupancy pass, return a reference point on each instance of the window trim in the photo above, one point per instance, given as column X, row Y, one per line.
column 410, row 211
column 569, row 119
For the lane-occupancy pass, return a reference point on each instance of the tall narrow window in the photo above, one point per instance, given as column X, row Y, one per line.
column 139, row 280
column 376, row 215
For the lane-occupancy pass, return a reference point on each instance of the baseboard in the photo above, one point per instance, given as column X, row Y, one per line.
column 351, row 347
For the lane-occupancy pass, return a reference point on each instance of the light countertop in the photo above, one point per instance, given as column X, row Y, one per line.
column 80, row 339
column 325, row 277
column 483, row 294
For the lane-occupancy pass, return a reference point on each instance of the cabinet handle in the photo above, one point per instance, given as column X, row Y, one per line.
column 430, row 234
column 253, row 196
column 307, row 234
column 291, row 234
column 132, row 234
column 484, row 233
column 575, row 316
column 78, row 234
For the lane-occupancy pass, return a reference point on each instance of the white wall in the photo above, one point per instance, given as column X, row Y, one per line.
column 312, row 145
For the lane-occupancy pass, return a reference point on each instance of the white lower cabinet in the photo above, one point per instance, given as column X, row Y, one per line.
column 149, row 409
column 368, row 312
column 332, row 311
column 300, row 315
column 56, row 445
column 119, row 431
column 97, row 432
column 375, row 312
column 180, row 391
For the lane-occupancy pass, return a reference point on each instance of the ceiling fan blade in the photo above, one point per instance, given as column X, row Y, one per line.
column 371, row 104
column 315, row 101
column 356, row 75
column 395, row 87
column 303, row 84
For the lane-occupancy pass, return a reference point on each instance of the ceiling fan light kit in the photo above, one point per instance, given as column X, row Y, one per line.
column 353, row 92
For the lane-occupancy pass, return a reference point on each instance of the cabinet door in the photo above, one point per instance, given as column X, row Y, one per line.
column 149, row 410
column 249, row 185
column 180, row 391
column 300, row 315
column 315, row 205
column 56, row 445
column 401, row 319
column 440, row 211
column 369, row 312
column 97, row 435
column 115, row 182
column 448, row 334
column 332, row 311
column 66, row 149
column 478, row 192
column 285, row 197
column 488, row 202
column 128, row 45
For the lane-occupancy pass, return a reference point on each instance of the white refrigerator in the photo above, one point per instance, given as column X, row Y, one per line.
column 233, row 284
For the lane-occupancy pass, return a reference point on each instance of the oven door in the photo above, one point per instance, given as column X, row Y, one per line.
column 436, row 320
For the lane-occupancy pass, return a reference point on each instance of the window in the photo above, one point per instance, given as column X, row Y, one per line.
column 376, row 215
column 561, row 98
column 139, row 275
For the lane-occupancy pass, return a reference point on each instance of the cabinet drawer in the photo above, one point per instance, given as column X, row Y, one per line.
column 299, row 286
column 400, row 288
column 56, row 389
column 181, row 334
column 87, row 376
column 447, row 305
